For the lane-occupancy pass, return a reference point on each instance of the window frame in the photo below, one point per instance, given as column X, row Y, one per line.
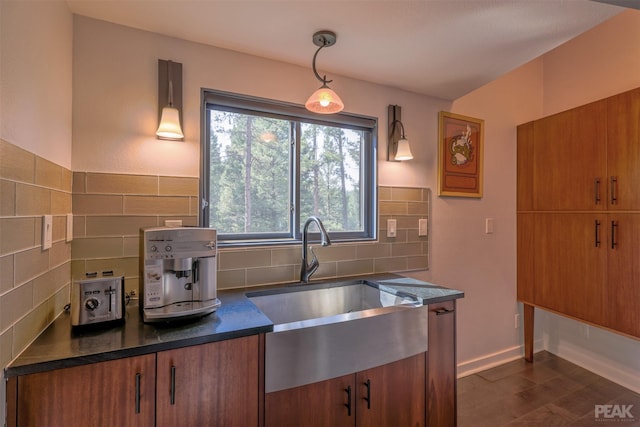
column 244, row 104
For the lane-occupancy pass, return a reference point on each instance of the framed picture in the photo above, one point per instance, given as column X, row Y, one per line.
column 460, row 157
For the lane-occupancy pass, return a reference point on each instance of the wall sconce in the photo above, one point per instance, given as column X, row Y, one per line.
column 323, row 100
column 399, row 148
column 169, row 100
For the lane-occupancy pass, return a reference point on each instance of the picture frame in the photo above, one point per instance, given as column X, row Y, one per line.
column 460, row 155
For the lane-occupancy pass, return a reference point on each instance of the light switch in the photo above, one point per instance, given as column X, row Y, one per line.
column 391, row 228
column 422, row 227
column 69, row 236
column 47, row 231
column 488, row 225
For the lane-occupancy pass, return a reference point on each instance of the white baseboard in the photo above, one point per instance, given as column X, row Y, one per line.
column 606, row 368
column 602, row 366
column 489, row 361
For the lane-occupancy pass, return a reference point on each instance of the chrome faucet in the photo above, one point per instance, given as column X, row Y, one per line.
column 308, row 269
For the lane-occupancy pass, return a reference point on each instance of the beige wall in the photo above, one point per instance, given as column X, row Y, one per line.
column 115, row 102
column 35, row 77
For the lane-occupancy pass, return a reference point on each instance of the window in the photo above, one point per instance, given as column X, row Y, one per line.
column 268, row 166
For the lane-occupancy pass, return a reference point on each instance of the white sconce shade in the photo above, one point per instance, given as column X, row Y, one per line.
column 170, row 124
column 404, row 150
column 324, row 101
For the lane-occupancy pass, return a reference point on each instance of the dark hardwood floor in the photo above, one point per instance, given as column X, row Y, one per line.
column 549, row 392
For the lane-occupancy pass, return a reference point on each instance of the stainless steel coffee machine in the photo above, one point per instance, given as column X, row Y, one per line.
column 178, row 273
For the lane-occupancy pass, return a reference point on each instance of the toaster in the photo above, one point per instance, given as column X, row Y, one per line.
column 97, row 298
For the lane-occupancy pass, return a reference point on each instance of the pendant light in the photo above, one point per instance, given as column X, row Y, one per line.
column 324, row 100
column 399, row 148
column 169, row 127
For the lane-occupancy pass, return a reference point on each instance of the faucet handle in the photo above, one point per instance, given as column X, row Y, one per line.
column 314, row 264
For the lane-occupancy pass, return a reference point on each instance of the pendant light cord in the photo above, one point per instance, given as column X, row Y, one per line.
column 323, row 79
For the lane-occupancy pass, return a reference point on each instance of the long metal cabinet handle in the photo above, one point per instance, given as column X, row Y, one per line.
column 172, row 389
column 596, row 190
column 614, row 187
column 614, row 226
column 348, row 404
column 441, row 311
column 367, row 384
column 597, row 233
column 138, row 377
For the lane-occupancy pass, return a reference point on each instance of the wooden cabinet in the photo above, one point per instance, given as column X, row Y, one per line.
column 118, row 392
column 388, row 395
column 622, row 293
column 623, row 151
column 568, row 159
column 392, row 394
column 214, row 384
column 570, row 264
column 441, row 372
column 324, row 403
column 211, row 384
column 579, row 214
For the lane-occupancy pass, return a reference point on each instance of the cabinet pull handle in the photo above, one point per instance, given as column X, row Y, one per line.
column 138, row 376
column 614, row 186
column 614, row 226
column 441, row 311
column 172, row 390
column 596, row 189
column 348, row 404
column 597, row 233
column 367, row 384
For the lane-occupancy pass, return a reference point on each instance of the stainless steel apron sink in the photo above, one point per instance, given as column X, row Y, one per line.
column 326, row 330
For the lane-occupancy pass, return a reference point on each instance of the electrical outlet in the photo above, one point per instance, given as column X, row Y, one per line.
column 517, row 321
column 422, row 227
column 391, row 227
column 47, row 231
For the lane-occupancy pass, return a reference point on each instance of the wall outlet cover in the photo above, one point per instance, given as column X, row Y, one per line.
column 47, row 231
column 391, row 228
column 69, row 235
column 422, row 227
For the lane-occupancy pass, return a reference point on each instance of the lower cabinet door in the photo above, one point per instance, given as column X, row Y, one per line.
column 325, row 403
column 114, row 393
column 393, row 394
column 213, row 384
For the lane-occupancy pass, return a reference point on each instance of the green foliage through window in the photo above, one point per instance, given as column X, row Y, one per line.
column 268, row 167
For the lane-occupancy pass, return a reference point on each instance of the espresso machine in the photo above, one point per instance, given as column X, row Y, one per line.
column 178, row 273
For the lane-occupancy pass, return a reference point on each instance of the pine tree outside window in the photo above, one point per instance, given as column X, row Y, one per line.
column 267, row 166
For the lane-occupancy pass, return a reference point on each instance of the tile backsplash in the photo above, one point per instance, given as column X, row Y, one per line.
column 109, row 210
column 34, row 283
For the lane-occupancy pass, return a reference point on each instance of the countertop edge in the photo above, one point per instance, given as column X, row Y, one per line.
column 31, row 361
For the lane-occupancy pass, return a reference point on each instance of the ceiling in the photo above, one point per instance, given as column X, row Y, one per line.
column 441, row 48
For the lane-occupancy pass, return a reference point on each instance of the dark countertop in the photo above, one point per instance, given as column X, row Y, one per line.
column 60, row 347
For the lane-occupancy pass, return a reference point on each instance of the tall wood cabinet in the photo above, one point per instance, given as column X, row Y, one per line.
column 579, row 215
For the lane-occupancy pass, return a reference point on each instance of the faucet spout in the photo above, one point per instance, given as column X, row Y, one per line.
column 308, row 269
